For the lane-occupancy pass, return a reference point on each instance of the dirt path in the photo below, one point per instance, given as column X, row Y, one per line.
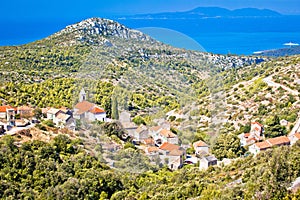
column 268, row 80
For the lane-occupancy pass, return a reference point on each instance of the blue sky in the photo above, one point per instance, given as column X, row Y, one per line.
column 59, row 9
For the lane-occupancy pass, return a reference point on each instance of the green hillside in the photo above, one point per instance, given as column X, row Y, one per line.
column 62, row 170
column 150, row 73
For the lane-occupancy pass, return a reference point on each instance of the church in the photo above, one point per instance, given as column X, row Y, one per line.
column 85, row 110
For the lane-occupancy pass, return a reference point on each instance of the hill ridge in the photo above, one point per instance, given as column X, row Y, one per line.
column 98, row 30
column 204, row 12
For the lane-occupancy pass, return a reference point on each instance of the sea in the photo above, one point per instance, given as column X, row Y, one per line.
column 241, row 36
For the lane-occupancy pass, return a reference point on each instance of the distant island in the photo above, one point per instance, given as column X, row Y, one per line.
column 220, row 30
column 287, row 51
column 209, row 12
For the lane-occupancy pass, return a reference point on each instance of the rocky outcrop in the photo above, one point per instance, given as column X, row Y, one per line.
column 99, row 31
column 118, row 40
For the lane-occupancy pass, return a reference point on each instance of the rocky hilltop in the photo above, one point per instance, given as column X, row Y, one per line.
column 98, row 31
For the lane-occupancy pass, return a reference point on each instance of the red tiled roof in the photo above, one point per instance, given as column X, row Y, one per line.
column 4, row 108
column 152, row 149
column 282, row 140
column 63, row 116
column 176, row 152
column 200, row 143
column 167, row 133
column 169, row 147
column 97, row 110
column 297, row 135
column 246, row 135
column 279, row 140
column 263, row 145
column 84, row 106
column 149, row 141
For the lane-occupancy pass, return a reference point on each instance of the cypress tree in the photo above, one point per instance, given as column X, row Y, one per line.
column 114, row 108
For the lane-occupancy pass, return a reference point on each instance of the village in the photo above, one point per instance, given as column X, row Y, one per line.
column 155, row 141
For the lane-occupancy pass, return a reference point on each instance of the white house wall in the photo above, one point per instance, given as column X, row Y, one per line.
column 3, row 115
column 176, row 161
column 253, row 149
column 101, row 117
column 204, row 149
column 203, row 164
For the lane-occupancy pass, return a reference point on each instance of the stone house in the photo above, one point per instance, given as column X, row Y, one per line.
column 161, row 135
column 207, row 161
column 7, row 116
column 141, row 134
column 269, row 143
column 60, row 118
column 201, row 147
column 255, row 134
column 25, row 111
column 172, row 155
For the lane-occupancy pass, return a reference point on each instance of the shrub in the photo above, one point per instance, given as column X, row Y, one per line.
column 138, row 120
column 48, row 123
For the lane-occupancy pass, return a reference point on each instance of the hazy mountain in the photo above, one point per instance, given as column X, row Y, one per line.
column 288, row 51
column 209, row 12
